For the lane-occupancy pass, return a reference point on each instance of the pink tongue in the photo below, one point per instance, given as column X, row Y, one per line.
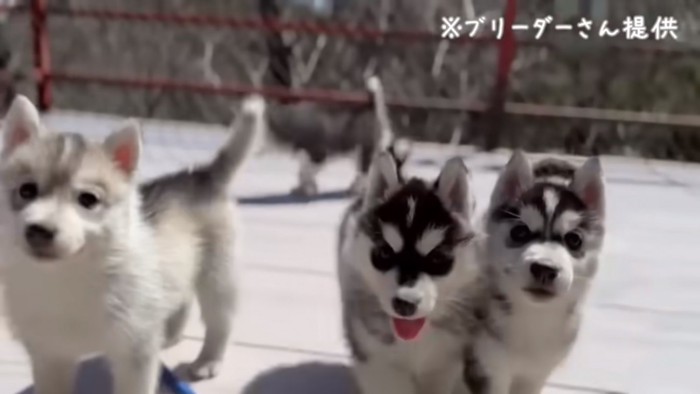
column 408, row 329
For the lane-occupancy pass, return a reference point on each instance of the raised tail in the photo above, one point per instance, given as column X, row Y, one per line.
column 374, row 85
column 246, row 129
column 399, row 148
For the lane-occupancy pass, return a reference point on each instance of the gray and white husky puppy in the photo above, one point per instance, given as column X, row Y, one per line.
column 544, row 234
column 95, row 264
column 408, row 277
column 318, row 134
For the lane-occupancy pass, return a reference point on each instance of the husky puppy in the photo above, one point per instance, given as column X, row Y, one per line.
column 319, row 133
column 407, row 276
column 93, row 264
column 544, row 234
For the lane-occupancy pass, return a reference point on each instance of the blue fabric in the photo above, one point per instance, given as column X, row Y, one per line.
column 173, row 384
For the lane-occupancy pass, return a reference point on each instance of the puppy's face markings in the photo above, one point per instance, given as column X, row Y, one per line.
column 411, row 211
column 392, row 236
column 545, row 236
column 416, row 227
column 60, row 191
column 545, row 213
column 412, row 239
column 430, row 239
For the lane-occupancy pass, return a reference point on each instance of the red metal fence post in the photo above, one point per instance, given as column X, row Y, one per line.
column 42, row 59
column 506, row 55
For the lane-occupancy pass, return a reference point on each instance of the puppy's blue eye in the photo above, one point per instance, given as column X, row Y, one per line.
column 88, row 200
column 520, row 234
column 382, row 258
column 28, row 191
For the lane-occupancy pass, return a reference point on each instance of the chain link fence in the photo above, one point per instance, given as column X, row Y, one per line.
column 650, row 76
column 559, row 69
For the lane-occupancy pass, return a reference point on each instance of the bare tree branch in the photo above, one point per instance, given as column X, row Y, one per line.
column 278, row 50
column 370, row 68
column 443, row 47
column 469, row 10
column 439, row 58
column 308, row 70
column 254, row 72
column 205, row 63
column 384, row 11
column 464, row 83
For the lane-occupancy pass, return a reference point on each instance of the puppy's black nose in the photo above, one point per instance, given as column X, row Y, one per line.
column 543, row 274
column 403, row 308
column 39, row 235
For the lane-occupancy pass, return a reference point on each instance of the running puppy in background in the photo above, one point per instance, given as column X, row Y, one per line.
column 319, row 133
column 408, row 279
column 96, row 265
column 545, row 229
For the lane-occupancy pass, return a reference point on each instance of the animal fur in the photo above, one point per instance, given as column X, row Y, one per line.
column 318, row 133
column 95, row 264
column 405, row 263
column 544, row 234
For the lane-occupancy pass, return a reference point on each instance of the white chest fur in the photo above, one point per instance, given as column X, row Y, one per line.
column 529, row 342
column 59, row 306
column 435, row 350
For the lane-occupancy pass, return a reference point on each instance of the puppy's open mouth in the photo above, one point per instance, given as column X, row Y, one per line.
column 43, row 255
column 408, row 329
column 540, row 293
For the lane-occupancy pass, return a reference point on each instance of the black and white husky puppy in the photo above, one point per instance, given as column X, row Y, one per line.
column 544, row 234
column 407, row 275
column 318, row 134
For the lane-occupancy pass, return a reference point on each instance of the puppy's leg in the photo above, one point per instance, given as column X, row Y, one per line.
column 364, row 160
column 440, row 380
column 135, row 371
column 494, row 374
column 52, row 374
column 176, row 325
column 216, row 294
column 529, row 385
column 382, row 378
column 309, row 167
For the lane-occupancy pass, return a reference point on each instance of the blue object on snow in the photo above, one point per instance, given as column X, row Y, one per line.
column 172, row 383
column 94, row 377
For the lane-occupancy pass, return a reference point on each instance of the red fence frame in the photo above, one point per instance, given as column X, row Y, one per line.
column 45, row 75
column 42, row 54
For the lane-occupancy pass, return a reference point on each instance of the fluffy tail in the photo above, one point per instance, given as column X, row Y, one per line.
column 399, row 148
column 374, row 85
column 246, row 128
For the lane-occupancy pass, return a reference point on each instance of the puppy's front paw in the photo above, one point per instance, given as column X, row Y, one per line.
column 357, row 187
column 305, row 190
column 199, row 370
column 172, row 341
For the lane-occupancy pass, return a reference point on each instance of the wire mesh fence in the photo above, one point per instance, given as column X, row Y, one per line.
column 442, row 88
column 651, row 76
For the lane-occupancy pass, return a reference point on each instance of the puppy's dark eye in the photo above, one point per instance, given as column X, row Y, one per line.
column 520, row 234
column 573, row 241
column 438, row 263
column 88, row 200
column 28, row 191
column 382, row 257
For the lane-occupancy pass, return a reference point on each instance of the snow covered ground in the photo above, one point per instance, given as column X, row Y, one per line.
column 641, row 333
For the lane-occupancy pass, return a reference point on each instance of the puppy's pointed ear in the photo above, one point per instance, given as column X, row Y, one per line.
column 21, row 124
column 452, row 187
column 589, row 185
column 124, row 147
column 515, row 179
column 383, row 179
